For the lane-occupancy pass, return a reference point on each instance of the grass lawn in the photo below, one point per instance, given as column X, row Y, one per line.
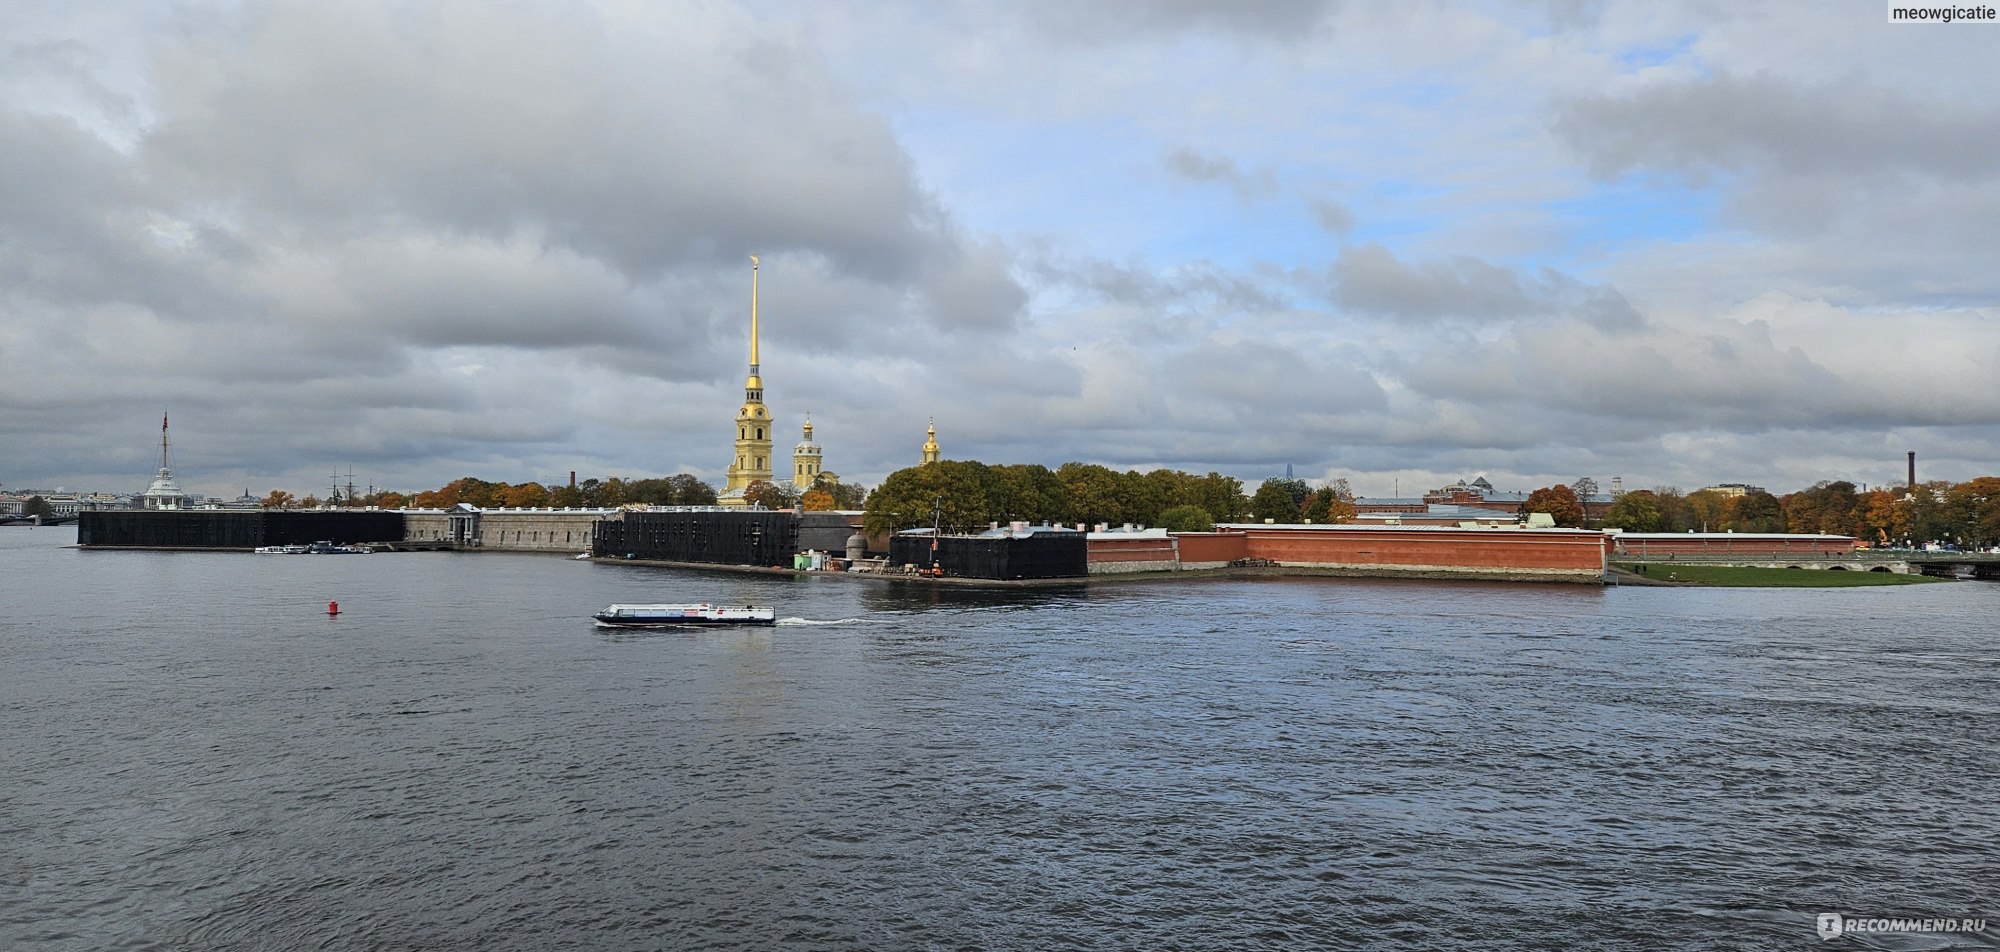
column 1728, row 575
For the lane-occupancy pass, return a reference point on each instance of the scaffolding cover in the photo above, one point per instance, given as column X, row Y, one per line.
column 745, row 537
column 1041, row 555
column 233, row 529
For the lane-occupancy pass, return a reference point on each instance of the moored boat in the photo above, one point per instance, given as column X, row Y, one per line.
column 642, row 616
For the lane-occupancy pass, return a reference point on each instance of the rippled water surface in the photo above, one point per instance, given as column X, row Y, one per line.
column 197, row 757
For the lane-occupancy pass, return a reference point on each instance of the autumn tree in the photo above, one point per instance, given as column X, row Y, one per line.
column 1334, row 504
column 1558, row 501
column 529, row 495
column 1825, row 507
column 816, row 500
column 279, row 499
column 1711, row 511
column 389, row 500
column 770, row 495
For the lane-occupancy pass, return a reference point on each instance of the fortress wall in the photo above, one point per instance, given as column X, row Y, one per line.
column 425, row 526
column 1209, row 550
column 1143, row 554
column 1552, row 554
column 538, row 530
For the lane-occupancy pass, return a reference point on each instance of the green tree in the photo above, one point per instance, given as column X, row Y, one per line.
column 1028, row 493
column 1974, row 510
column 954, row 492
column 1558, row 501
column 1636, row 511
column 1144, row 499
column 690, row 491
column 1092, row 493
column 37, row 506
column 1674, row 513
column 1186, row 519
column 1759, row 512
column 1274, row 501
column 1219, row 495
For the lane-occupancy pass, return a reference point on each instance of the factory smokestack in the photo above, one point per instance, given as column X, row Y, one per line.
column 1913, row 470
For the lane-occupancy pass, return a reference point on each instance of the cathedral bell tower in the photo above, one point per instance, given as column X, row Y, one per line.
column 806, row 459
column 753, row 421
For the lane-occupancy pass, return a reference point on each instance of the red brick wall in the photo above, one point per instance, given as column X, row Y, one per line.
column 1496, row 550
column 1212, row 546
column 1143, row 549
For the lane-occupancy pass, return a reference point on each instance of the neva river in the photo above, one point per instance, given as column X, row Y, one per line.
column 196, row 757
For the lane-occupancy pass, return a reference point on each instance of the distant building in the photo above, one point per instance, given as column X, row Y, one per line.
column 1732, row 489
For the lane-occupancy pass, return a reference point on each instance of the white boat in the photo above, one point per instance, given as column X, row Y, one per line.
column 328, row 548
column 281, row 550
column 642, row 616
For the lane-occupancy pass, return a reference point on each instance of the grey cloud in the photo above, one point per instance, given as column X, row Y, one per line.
column 1370, row 279
column 1331, row 215
column 1762, row 122
column 1110, row 21
column 1194, row 166
column 1195, row 286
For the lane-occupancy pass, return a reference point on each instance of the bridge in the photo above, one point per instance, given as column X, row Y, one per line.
column 16, row 520
column 1984, row 566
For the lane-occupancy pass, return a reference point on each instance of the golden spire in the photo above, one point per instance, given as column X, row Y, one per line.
column 930, row 443
column 753, row 383
column 809, row 426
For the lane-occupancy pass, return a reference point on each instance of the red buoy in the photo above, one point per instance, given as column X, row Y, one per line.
column 333, row 608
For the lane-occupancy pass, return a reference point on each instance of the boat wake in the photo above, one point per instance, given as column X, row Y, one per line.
column 806, row 622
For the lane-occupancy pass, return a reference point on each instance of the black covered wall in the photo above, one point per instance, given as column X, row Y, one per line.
column 234, row 528
column 745, row 537
column 1041, row 555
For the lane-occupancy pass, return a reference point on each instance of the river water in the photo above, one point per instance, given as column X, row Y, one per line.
column 197, row 757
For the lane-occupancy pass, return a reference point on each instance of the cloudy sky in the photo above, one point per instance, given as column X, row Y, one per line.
column 1398, row 243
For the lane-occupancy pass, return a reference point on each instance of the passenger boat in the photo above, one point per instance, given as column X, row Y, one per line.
column 281, row 550
column 328, row 548
column 641, row 616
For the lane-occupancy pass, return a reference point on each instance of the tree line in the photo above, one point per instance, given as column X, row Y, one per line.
column 1966, row 514
column 681, row 489
column 967, row 494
